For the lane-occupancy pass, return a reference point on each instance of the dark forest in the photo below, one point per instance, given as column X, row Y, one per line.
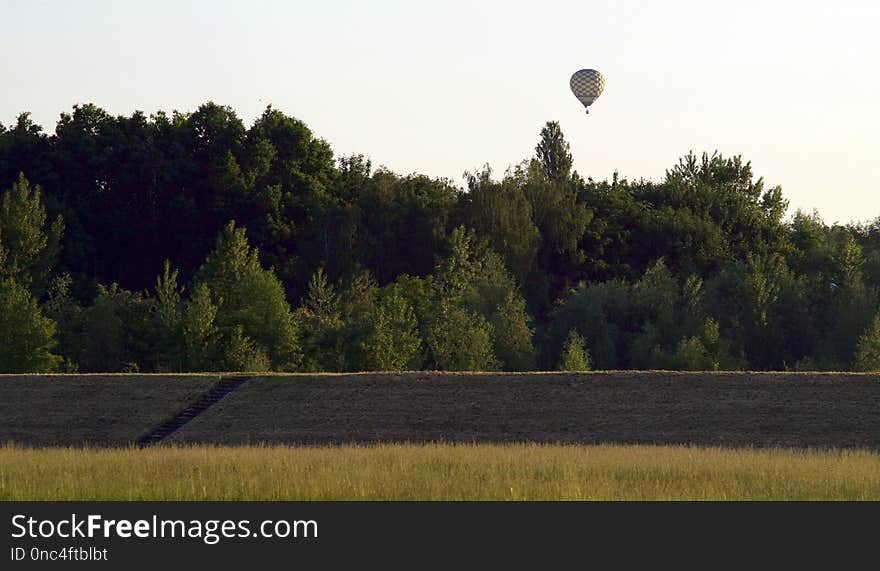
column 192, row 242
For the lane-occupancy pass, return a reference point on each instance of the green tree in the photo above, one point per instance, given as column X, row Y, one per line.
column 811, row 251
column 26, row 335
column 292, row 212
column 28, row 247
column 250, row 297
column 322, row 301
column 501, row 213
column 118, row 333
column 394, row 343
column 66, row 312
column 868, row 349
column 399, row 225
column 460, row 340
column 475, row 277
column 359, row 307
column 169, row 307
column 690, row 355
column 554, row 153
column 559, row 215
column 320, row 323
column 513, row 334
column 200, row 334
column 710, row 211
column 602, row 314
column 575, row 356
column 849, row 260
column 419, row 293
column 704, row 352
column 240, row 353
column 101, row 342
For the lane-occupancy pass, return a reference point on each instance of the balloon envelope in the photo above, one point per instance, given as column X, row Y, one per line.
column 587, row 85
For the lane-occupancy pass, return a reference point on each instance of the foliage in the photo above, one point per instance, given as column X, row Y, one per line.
column 27, row 246
column 575, row 356
column 198, row 328
column 26, row 335
column 696, row 270
column 500, row 212
column 252, row 311
column 868, row 349
column 394, row 343
column 117, row 333
column 474, row 278
column 459, row 339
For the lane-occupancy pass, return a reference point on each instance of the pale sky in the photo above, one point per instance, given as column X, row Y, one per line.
column 443, row 87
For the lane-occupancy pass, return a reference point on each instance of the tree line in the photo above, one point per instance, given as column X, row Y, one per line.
column 190, row 242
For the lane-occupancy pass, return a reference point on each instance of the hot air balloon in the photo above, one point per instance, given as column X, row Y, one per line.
column 587, row 86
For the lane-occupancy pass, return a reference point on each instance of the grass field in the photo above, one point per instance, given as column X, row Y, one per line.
column 437, row 472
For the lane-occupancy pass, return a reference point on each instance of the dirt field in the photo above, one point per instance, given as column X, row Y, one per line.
column 718, row 409
column 103, row 410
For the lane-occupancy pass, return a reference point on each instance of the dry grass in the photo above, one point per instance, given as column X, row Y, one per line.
column 437, row 472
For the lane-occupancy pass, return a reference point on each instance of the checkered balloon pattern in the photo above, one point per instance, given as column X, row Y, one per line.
column 587, row 85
